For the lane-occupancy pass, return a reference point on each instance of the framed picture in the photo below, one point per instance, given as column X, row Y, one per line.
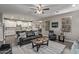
column 66, row 24
column 55, row 24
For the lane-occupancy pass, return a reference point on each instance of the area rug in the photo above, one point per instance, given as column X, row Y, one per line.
column 52, row 48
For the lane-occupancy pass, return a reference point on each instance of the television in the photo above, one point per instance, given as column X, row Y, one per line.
column 55, row 24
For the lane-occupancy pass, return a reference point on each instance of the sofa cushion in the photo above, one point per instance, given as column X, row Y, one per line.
column 30, row 33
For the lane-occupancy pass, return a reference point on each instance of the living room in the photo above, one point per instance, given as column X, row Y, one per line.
column 23, row 25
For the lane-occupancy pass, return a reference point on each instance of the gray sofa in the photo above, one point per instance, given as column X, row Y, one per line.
column 52, row 36
column 25, row 37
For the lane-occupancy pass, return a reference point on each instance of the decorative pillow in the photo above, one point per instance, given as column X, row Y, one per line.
column 36, row 32
column 23, row 35
column 33, row 33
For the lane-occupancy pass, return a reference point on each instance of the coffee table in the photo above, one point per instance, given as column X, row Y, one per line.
column 39, row 41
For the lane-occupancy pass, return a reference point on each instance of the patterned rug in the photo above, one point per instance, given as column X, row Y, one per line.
column 52, row 48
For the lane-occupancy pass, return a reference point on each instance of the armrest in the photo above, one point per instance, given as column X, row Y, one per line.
column 5, row 47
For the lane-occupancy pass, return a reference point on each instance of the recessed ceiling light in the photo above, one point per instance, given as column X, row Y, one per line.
column 56, row 11
column 73, row 5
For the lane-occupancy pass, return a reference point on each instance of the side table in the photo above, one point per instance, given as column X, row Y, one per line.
column 61, row 38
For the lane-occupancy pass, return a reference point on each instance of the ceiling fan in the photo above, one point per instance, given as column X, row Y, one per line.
column 39, row 9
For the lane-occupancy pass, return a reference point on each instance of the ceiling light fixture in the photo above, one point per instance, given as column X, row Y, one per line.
column 56, row 11
column 39, row 9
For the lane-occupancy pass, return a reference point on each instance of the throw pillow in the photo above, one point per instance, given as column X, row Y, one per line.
column 23, row 35
column 36, row 33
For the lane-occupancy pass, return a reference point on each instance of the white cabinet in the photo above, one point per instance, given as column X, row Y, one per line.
column 10, row 27
column 10, row 31
column 9, row 23
column 24, row 24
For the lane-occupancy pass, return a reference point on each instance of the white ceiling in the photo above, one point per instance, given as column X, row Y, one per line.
column 24, row 9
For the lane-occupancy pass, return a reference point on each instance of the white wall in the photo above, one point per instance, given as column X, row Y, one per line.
column 36, row 25
column 1, row 28
column 74, row 34
column 57, row 29
column 44, row 32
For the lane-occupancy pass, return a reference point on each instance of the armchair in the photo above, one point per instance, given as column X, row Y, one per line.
column 5, row 49
column 52, row 36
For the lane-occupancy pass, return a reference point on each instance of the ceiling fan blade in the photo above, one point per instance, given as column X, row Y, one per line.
column 46, row 9
column 33, row 8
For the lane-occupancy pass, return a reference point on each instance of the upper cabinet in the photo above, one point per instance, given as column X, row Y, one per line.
column 10, row 23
